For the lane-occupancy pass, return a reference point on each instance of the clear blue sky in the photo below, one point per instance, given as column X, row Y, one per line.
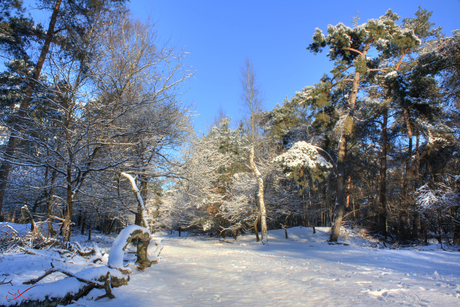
column 219, row 35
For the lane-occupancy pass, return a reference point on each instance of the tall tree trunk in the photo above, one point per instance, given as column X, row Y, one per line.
column 83, row 224
column 12, row 142
column 263, row 212
column 69, row 210
column 416, row 225
column 408, row 173
column 341, row 164
column 49, row 203
column 341, row 204
column 383, row 214
column 409, row 138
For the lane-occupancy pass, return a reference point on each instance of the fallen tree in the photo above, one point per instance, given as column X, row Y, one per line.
column 66, row 290
column 77, row 285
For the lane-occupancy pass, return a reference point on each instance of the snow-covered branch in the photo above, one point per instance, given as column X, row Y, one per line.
column 140, row 200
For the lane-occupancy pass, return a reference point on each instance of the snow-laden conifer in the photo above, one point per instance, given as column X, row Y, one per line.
column 303, row 154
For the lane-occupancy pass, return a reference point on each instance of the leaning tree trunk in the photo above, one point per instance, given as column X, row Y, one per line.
column 141, row 214
column 12, row 142
column 263, row 212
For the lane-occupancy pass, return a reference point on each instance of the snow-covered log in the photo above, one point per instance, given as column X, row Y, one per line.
column 64, row 291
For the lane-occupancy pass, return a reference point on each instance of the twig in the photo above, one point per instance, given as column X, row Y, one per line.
column 5, row 283
column 14, row 230
column 34, row 226
column 57, row 218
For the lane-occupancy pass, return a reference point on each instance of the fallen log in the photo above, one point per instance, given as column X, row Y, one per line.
column 78, row 285
column 64, row 291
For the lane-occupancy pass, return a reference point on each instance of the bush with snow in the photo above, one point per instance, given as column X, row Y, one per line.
column 302, row 154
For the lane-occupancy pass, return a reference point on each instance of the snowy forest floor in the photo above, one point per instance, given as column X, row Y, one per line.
column 303, row 270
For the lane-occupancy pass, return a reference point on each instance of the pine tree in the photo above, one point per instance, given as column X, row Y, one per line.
column 349, row 47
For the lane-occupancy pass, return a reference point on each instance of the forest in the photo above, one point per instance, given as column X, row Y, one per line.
column 94, row 135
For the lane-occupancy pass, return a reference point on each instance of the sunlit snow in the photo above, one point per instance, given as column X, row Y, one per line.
column 303, row 270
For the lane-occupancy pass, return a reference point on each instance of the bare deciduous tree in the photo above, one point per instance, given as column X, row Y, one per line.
column 252, row 100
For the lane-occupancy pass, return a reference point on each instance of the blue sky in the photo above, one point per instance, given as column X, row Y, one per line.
column 219, row 35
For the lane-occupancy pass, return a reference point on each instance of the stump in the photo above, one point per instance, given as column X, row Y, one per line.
column 142, row 247
column 126, row 236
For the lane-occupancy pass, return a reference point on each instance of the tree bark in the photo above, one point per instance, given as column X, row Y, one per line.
column 383, row 214
column 12, row 142
column 263, row 213
column 256, row 229
column 416, row 224
column 69, row 202
column 408, row 175
column 348, row 191
column 341, row 164
column 341, row 204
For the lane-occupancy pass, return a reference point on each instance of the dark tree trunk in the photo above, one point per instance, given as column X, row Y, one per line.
column 417, row 224
column 408, row 176
column 69, row 203
column 348, row 191
column 83, row 224
column 341, row 204
column 256, row 230
column 456, row 214
column 49, row 203
column 341, row 164
column 383, row 214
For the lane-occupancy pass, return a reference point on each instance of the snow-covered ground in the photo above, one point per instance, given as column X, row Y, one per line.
column 303, row 270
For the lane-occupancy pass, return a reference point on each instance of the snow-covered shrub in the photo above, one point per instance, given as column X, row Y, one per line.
column 439, row 206
column 302, row 154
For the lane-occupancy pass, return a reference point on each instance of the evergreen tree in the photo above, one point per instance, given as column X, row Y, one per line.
column 349, row 48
